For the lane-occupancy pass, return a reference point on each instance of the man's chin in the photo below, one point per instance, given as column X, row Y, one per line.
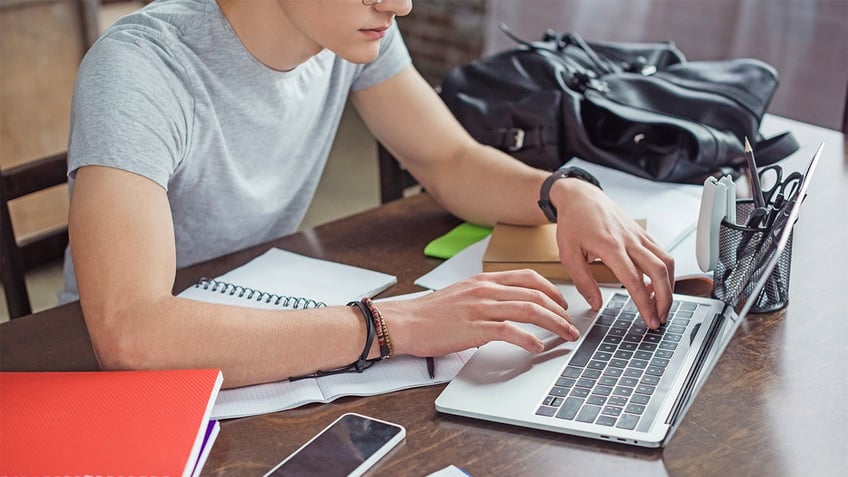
column 360, row 56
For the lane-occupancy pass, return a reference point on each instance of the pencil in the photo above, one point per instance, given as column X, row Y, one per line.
column 431, row 367
column 757, row 191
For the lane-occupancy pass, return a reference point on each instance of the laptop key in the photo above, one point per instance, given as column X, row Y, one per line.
column 632, row 337
column 597, row 365
column 628, row 421
column 607, row 348
column 632, row 373
column 603, row 390
column 652, row 338
column 659, row 362
column 614, row 372
column 596, row 400
column 588, row 413
column 628, row 346
column 587, row 348
column 652, row 346
column 654, row 371
column 579, row 392
column 639, row 399
column 607, row 318
column 621, row 324
column 617, row 401
column 558, row 391
column 571, row 372
column 569, row 408
column 638, row 364
column 612, row 339
column 635, row 408
column 618, row 363
column 623, row 391
column 591, row 374
column 672, row 337
column 546, row 411
column 606, row 421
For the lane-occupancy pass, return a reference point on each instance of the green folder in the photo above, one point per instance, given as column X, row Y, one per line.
column 456, row 240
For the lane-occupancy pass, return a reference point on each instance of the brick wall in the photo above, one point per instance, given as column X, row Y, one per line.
column 441, row 34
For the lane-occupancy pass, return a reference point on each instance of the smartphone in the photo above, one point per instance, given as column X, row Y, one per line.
column 347, row 447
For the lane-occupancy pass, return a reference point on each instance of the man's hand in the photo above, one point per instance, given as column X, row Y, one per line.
column 591, row 226
column 476, row 311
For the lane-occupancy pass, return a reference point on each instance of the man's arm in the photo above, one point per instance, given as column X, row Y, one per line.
column 483, row 185
column 122, row 243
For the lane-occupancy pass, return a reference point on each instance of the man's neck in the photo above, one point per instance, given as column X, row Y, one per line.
column 267, row 33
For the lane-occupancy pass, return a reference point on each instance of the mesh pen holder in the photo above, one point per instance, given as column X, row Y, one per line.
column 739, row 264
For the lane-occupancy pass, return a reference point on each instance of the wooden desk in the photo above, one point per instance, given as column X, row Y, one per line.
column 774, row 405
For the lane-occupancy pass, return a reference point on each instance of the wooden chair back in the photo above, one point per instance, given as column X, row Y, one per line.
column 41, row 45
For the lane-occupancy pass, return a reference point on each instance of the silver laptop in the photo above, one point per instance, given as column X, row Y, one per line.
column 620, row 382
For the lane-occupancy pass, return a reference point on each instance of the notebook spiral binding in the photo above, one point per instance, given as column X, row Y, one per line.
column 293, row 302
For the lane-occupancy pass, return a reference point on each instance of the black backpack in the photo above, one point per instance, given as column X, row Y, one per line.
column 638, row 107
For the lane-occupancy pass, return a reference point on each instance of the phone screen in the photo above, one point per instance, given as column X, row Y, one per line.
column 348, row 446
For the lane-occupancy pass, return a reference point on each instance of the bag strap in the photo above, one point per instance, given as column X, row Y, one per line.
column 775, row 148
column 512, row 139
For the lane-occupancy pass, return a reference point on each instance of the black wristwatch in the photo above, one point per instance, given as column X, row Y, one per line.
column 561, row 173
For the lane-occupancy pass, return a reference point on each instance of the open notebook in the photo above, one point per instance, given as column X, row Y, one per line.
column 282, row 279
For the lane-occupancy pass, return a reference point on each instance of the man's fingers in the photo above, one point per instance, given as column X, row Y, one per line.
column 581, row 276
column 527, row 279
column 659, row 267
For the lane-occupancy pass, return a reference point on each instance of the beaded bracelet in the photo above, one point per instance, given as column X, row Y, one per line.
column 363, row 362
column 383, row 337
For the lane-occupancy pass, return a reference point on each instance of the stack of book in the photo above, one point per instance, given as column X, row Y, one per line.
column 107, row 422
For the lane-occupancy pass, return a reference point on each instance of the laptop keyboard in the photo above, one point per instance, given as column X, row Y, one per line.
column 615, row 371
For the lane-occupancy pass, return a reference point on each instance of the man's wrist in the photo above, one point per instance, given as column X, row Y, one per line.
column 563, row 172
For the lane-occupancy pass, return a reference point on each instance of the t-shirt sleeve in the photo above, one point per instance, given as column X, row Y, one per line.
column 393, row 58
column 131, row 110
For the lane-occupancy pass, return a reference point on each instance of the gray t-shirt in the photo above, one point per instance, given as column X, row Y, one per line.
column 170, row 93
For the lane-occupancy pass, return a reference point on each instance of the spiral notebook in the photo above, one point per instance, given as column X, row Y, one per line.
column 283, row 279
column 279, row 279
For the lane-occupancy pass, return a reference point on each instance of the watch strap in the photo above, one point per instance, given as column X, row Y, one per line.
column 563, row 172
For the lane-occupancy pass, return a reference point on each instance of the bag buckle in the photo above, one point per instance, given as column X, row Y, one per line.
column 517, row 136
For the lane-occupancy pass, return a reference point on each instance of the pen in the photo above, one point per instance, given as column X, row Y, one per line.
column 753, row 222
column 757, row 190
column 431, row 367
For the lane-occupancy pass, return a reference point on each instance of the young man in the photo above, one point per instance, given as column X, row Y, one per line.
column 200, row 128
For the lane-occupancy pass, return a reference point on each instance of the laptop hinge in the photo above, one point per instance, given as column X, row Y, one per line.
column 695, row 370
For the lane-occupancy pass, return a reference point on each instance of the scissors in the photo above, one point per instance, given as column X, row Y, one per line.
column 775, row 187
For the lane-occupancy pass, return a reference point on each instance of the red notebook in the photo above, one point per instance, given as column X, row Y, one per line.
column 104, row 422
